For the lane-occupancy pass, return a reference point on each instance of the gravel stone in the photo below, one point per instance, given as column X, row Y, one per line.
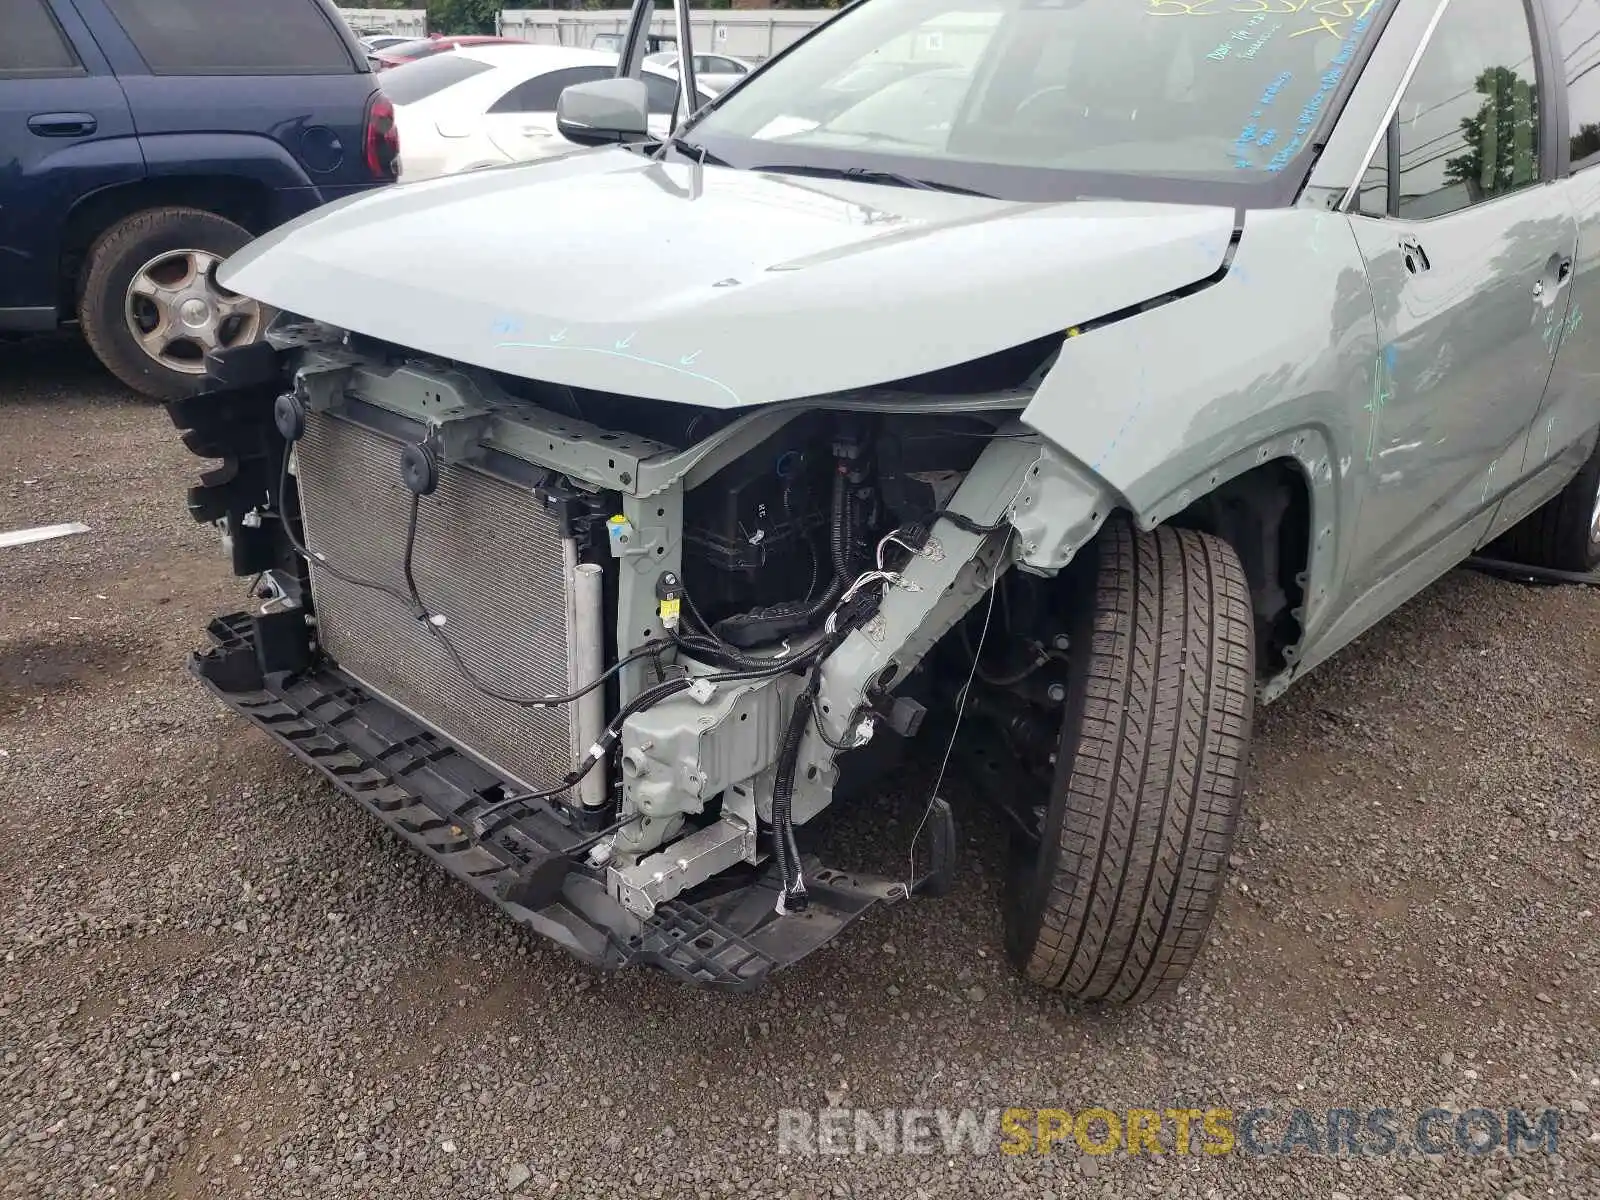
column 219, row 980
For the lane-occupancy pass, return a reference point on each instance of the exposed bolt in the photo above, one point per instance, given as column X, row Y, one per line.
column 1061, row 642
column 1057, row 692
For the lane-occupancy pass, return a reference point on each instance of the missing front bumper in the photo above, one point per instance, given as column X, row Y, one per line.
column 723, row 935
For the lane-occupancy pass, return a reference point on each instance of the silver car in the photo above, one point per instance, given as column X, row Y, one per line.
column 714, row 72
column 993, row 397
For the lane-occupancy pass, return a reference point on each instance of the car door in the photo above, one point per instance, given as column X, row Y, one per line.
column 717, row 72
column 522, row 122
column 65, row 131
column 1562, row 431
column 212, row 80
column 1470, row 260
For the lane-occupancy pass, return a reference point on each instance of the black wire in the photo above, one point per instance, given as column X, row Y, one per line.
column 316, row 560
column 595, row 838
column 647, row 699
column 816, row 721
column 426, row 615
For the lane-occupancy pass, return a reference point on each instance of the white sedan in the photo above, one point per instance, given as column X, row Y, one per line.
column 481, row 106
column 712, row 72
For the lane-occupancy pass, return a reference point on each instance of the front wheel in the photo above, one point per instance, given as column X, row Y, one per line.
column 151, row 305
column 1115, row 900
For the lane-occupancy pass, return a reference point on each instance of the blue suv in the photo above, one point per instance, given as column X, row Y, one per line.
column 144, row 141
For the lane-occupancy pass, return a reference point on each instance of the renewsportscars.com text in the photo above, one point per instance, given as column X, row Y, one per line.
column 1096, row 1130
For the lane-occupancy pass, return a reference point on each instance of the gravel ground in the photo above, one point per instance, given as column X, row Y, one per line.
column 221, row 980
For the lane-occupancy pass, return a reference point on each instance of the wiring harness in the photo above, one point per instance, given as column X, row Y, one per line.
column 850, row 600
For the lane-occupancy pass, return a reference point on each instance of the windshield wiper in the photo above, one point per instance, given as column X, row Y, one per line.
column 871, row 175
column 697, row 152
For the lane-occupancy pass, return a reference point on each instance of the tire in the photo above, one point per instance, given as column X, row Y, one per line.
column 1564, row 533
column 1115, row 902
column 175, row 252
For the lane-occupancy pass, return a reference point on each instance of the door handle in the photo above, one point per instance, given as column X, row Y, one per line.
column 1556, row 274
column 1416, row 258
column 63, row 124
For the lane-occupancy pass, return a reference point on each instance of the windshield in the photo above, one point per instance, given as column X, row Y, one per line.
column 1029, row 98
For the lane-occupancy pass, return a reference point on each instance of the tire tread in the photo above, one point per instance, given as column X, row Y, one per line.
column 1151, row 769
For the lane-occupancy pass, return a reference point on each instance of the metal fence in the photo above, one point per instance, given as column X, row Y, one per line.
column 405, row 22
column 755, row 34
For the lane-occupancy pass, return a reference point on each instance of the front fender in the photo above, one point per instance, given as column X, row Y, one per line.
column 1273, row 360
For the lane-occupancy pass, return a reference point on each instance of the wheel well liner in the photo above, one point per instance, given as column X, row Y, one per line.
column 1265, row 514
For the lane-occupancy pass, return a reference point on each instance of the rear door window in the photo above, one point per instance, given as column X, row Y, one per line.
column 663, row 93
column 1578, row 37
column 539, row 94
column 234, row 37
column 31, row 43
column 418, row 80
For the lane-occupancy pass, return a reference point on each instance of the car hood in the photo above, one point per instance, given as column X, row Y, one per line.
column 715, row 286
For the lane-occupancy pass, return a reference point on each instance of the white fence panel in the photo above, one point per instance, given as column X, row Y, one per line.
column 405, row 22
column 755, row 34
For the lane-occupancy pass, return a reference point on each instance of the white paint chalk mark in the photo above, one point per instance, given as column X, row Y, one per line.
column 41, row 533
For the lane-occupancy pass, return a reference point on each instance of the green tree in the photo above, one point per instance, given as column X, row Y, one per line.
column 1585, row 142
column 1502, row 138
column 462, row 16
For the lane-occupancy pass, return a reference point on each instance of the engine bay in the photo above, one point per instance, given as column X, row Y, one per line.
column 664, row 637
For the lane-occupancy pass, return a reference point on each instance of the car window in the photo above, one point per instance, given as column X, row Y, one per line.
column 226, row 37
column 1468, row 124
column 606, row 41
column 1578, row 38
column 1171, row 90
column 663, row 93
column 539, row 94
column 31, row 43
column 415, row 81
column 1372, row 198
column 915, row 111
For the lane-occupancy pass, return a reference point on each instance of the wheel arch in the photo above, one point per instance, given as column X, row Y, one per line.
column 1267, row 505
column 1274, row 501
column 244, row 201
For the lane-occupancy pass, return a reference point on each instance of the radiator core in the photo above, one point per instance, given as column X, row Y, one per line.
column 488, row 557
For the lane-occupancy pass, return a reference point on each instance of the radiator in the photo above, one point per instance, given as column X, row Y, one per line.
column 487, row 557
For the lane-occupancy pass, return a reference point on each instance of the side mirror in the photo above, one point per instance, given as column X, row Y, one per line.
column 603, row 111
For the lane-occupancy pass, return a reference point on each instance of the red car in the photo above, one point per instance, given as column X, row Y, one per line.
column 405, row 52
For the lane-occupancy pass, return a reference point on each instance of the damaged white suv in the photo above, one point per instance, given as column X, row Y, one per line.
column 1087, row 375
